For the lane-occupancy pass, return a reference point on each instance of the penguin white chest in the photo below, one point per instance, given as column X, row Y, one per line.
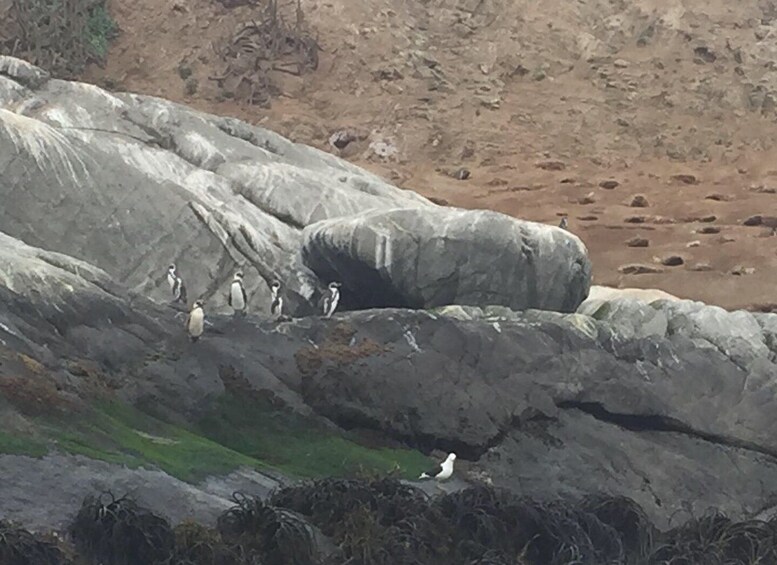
column 333, row 302
column 236, row 294
column 196, row 322
column 171, row 280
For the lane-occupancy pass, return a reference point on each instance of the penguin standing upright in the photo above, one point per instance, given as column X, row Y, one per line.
column 330, row 299
column 177, row 288
column 563, row 223
column 195, row 322
column 237, row 295
column 276, row 304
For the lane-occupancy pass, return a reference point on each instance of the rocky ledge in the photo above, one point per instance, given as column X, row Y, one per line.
column 667, row 402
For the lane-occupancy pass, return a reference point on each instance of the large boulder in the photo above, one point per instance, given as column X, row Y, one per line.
column 133, row 183
column 428, row 257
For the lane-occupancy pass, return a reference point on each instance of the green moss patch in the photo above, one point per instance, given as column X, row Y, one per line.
column 21, row 444
column 297, row 446
column 237, row 432
column 121, row 434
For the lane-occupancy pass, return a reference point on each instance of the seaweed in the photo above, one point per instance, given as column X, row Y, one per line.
column 117, row 531
column 278, row 535
column 18, row 546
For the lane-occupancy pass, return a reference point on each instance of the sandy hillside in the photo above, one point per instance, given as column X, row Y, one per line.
column 651, row 123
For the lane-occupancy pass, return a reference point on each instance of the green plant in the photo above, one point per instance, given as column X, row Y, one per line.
column 100, row 29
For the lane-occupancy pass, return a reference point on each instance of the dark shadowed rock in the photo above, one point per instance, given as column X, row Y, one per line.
column 425, row 258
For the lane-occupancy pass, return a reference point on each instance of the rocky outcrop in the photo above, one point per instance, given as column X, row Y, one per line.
column 133, row 183
column 678, row 417
column 421, row 258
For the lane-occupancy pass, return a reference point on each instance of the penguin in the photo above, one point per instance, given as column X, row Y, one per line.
column 330, row 299
column 442, row 471
column 564, row 223
column 195, row 322
column 237, row 295
column 276, row 305
column 177, row 288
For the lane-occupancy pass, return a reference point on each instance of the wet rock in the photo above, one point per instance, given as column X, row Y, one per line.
column 638, row 242
column 672, row 261
column 635, row 219
column 685, row 179
column 589, row 198
column 740, row 270
column 551, row 165
column 609, row 184
column 639, row 269
column 461, row 174
column 708, row 230
column 639, row 201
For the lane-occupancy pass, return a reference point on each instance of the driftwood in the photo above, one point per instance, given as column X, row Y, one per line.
column 259, row 48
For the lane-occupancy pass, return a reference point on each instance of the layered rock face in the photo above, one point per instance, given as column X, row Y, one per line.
column 668, row 402
column 422, row 258
column 543, row 403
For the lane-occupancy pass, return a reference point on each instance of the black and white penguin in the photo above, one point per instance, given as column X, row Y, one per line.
column 330, row 299
column 276, row 304
column 564, row 223
column 195, row 322
column 237, row 295
column 177, row 288
column 442, row 471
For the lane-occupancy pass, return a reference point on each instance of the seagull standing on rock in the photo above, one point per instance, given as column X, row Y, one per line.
column 237, row 295
column 330, row 299
column 441, row 472
column 176, row 285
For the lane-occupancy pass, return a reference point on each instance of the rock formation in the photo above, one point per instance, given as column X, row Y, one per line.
column 669, row 402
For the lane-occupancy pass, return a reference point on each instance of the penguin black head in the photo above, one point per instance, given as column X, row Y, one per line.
column 171, row 268
column 198, row 304
column 239, row 275
column 276, row 285
column 334, row 285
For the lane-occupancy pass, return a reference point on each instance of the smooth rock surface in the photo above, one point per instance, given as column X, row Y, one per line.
column 133, row 183
column 423, row 258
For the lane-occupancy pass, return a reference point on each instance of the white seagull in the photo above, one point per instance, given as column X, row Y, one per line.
column 441, row 472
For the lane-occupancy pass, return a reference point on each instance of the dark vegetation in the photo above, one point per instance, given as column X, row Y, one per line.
column 260, row 49
column 383, row 521
column 61, row 36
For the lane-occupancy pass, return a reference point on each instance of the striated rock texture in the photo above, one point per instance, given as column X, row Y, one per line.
column 678, row 415
column 133, row 183
column 421, row 258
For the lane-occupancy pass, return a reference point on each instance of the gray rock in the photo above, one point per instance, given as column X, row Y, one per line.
column 46, row 493
column 133, row 183
column 422, row 258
